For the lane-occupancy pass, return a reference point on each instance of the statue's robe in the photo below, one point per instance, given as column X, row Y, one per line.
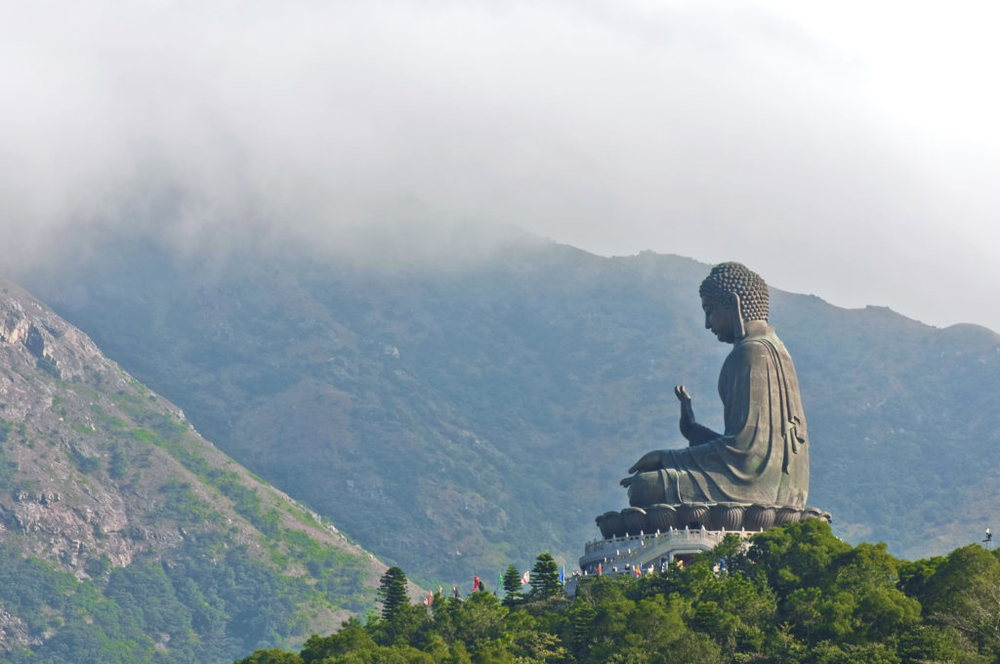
column 763, row 456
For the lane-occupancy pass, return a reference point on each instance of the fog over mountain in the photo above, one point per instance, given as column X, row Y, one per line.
column 848, row 151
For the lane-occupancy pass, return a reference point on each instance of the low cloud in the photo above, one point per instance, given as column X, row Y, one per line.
column 715, row 130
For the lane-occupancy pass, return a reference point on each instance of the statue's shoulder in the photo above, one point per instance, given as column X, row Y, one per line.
column 759, row 344
column 758, row 336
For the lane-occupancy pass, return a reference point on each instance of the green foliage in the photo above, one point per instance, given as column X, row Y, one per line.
column 963, row 593
column 512, row 586
column 169, row 435
column 582, row 616
column 97, row 567
column 545, row 577
column 795, row 595
column 118, row 463
column 272, row 656
column 8, row 469
column 49, row 366
column 351, row 637
column 392, row 592
column 85, row 464
column 181, row 505
column 209, row 605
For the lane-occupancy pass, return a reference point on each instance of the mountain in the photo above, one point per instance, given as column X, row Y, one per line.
column 457, row 416
column 127, row 537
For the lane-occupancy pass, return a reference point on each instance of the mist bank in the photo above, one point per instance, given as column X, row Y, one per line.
column 716, row 130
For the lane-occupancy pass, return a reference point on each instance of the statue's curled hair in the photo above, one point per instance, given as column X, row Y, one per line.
column 728, row 278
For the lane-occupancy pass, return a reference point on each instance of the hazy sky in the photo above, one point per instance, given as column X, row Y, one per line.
column 847, row 149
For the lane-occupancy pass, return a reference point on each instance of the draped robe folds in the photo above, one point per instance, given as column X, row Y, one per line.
column 763, row 456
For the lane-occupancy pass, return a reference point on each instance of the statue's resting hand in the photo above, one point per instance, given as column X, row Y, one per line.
column 649, row 461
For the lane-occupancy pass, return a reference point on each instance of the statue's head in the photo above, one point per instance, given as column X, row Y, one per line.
column 731, row 296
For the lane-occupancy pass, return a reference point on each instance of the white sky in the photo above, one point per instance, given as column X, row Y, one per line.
column 845, row 149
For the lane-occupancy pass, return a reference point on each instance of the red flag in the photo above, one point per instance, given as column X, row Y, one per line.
column 475, row 583
column 526, row 578
column 599, row 569
column 430, row 597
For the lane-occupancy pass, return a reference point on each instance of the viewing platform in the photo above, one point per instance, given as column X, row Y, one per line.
column 654, row 551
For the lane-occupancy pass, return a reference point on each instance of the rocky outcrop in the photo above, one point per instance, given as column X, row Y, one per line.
column 35, row 334
column 70, row 531
column 13, row 325
column 48, row 429
column 14, row 632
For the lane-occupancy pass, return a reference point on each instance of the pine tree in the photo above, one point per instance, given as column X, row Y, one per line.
column 392, row 592
column 582, row 616
column 512, row 586
column 545, row 577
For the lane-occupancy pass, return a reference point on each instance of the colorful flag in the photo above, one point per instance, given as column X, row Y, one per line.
column 475, row 583
column 430, row 597
column 526, row 578
column 499, row 581
column 562, row 574
column 638, row 570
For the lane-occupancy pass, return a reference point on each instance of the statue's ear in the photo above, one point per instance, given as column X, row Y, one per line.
column 738, row 327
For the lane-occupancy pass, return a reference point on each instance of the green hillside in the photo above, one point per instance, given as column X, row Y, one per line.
column 455, row 419
column 127, row 537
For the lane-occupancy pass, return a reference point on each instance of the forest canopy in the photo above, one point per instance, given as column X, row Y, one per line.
column 794, row 594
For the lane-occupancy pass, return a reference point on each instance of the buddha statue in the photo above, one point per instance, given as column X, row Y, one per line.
column 762, row 455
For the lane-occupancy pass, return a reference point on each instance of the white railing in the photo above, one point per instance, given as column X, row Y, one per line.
column 652, row 539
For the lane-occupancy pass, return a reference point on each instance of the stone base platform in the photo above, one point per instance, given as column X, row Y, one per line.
column 695, row 516
column 648, row 553
column 654, row 551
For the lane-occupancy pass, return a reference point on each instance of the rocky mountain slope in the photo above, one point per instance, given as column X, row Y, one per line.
column 127, row 537
column 457, row 417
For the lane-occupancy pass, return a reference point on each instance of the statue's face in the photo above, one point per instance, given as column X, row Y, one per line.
column 720, row 319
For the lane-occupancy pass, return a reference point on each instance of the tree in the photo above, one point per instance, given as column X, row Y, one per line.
column 798, row 555
column 272, row 656
column 352, row 637
column 392, row 592
column 582, row 617
column 545, row 577
column 964, row 594
column 512, row 586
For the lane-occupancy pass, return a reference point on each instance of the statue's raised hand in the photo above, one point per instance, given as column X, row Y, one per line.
column 687, row 412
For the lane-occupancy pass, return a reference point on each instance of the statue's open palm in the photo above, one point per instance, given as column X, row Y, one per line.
column 687, row 412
